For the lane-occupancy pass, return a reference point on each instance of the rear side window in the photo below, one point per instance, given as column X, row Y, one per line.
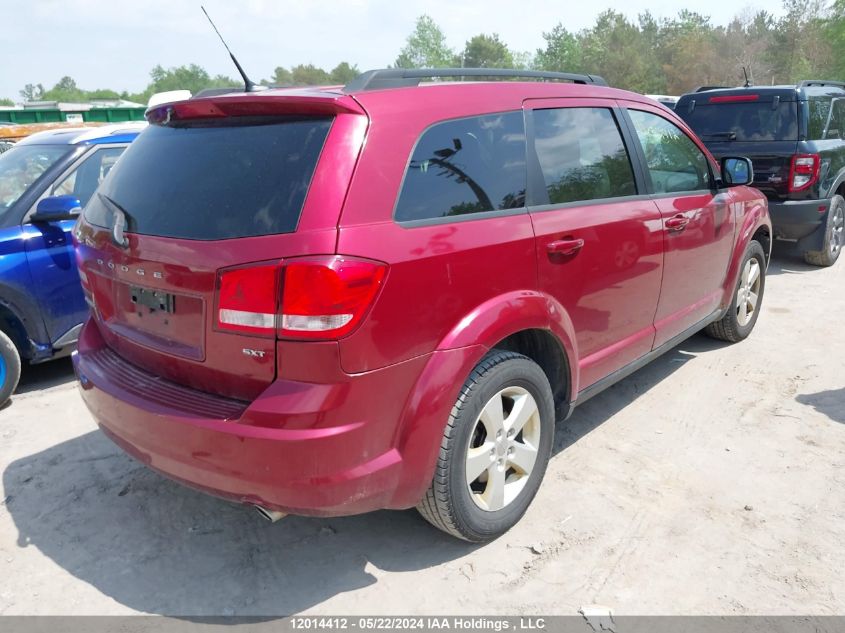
column 743, row 121
column 465, row 166
column 827, row 118
column 675, row 163
column 582, row 155
column 212, row 181
column 84, row 180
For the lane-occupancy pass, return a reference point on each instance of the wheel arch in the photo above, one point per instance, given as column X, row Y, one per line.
column 542, row 347
column 755, row 223
column 12, row 327
column 764, row 236
column 837, row 187
column 528, row 322
column 21, row 320
column 522, row 321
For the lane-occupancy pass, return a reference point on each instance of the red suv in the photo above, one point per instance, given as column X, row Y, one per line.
column 330, row 301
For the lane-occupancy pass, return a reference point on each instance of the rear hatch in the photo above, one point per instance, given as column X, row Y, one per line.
column 206, row 204
column 762, row 126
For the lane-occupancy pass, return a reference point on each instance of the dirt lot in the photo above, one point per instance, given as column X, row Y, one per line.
column 710, row 482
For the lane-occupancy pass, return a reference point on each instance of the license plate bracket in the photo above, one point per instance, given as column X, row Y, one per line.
column 155, row 300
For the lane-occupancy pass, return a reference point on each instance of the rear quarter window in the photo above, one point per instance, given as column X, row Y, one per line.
column 826, row 118
column 465, row 166
column 212, row 181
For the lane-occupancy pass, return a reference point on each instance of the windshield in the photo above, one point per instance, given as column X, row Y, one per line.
column 214, row 180
column 744, row 121
column 21, row 166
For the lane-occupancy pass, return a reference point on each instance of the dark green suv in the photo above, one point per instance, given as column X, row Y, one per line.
column 795, row 136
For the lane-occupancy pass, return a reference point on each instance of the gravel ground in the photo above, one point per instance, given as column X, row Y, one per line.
column 710, row 482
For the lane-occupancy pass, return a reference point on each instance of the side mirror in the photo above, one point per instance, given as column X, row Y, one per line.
column 736, row 171
column 56, row 208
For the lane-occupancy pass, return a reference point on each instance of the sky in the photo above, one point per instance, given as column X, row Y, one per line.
column 115, row 43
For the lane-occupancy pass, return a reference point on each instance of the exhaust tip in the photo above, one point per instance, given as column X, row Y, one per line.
column 271, row 515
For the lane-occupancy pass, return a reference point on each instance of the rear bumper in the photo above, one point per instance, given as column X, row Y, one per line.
column 328, row 452
column 798, row 219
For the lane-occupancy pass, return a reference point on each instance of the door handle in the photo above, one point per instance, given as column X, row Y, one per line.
column 566, row 246
column 677, row 223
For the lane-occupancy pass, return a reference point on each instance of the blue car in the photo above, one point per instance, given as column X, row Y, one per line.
column 45, row 180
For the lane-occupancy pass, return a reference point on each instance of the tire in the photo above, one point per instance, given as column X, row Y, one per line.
column 734, row 326
column 834, row 236
column 474, row 515
column 10, row 368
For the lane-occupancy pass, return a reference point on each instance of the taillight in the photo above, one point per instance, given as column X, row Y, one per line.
column 247, row 299
column 327, row 297
column 313, row 298
column 803, row 171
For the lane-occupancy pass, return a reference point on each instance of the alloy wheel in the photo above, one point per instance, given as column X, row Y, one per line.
column 748, row 294
column 837, row 232
column 503, row 448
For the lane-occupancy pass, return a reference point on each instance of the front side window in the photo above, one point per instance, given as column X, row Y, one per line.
column 674, row 161
column 21, row 166
column 465, row 166
column 582, row 155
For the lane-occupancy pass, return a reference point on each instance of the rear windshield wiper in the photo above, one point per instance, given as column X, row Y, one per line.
column 121, row 220
column 114, row 205
column 731, row 136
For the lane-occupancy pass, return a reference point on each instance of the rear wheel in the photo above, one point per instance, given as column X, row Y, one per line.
column 742, row 314
column 494, row 451
column 10, row 368
column 834, row 237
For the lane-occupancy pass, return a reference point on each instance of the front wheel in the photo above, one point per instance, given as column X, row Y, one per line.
column 10, row 368
column 834, row 236
column 494, row 450
column 742, row 314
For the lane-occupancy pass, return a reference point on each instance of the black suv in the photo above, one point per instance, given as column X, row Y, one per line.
column 795, row 136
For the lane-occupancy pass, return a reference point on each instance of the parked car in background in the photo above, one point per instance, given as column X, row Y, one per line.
column 795, row 136
column 329, row 301
column 14, row 132
column 668, row 100
column 45, row 179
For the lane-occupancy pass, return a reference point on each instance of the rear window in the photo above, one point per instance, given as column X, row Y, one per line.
column 211, row 181
column 743, row 121
column 465, row 166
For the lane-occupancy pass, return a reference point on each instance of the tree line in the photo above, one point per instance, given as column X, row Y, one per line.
column 666, row 55
column 649, row 55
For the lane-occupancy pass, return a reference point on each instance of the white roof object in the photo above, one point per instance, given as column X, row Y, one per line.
column 167, row 97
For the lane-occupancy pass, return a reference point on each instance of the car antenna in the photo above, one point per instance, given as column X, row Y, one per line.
column 747, row 83
column 249, row 86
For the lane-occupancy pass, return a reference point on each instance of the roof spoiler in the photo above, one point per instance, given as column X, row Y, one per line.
column 252, row 104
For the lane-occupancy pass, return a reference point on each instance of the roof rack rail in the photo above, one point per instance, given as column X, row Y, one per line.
column 821, row 82
column 705, row 88
column 405, row 77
